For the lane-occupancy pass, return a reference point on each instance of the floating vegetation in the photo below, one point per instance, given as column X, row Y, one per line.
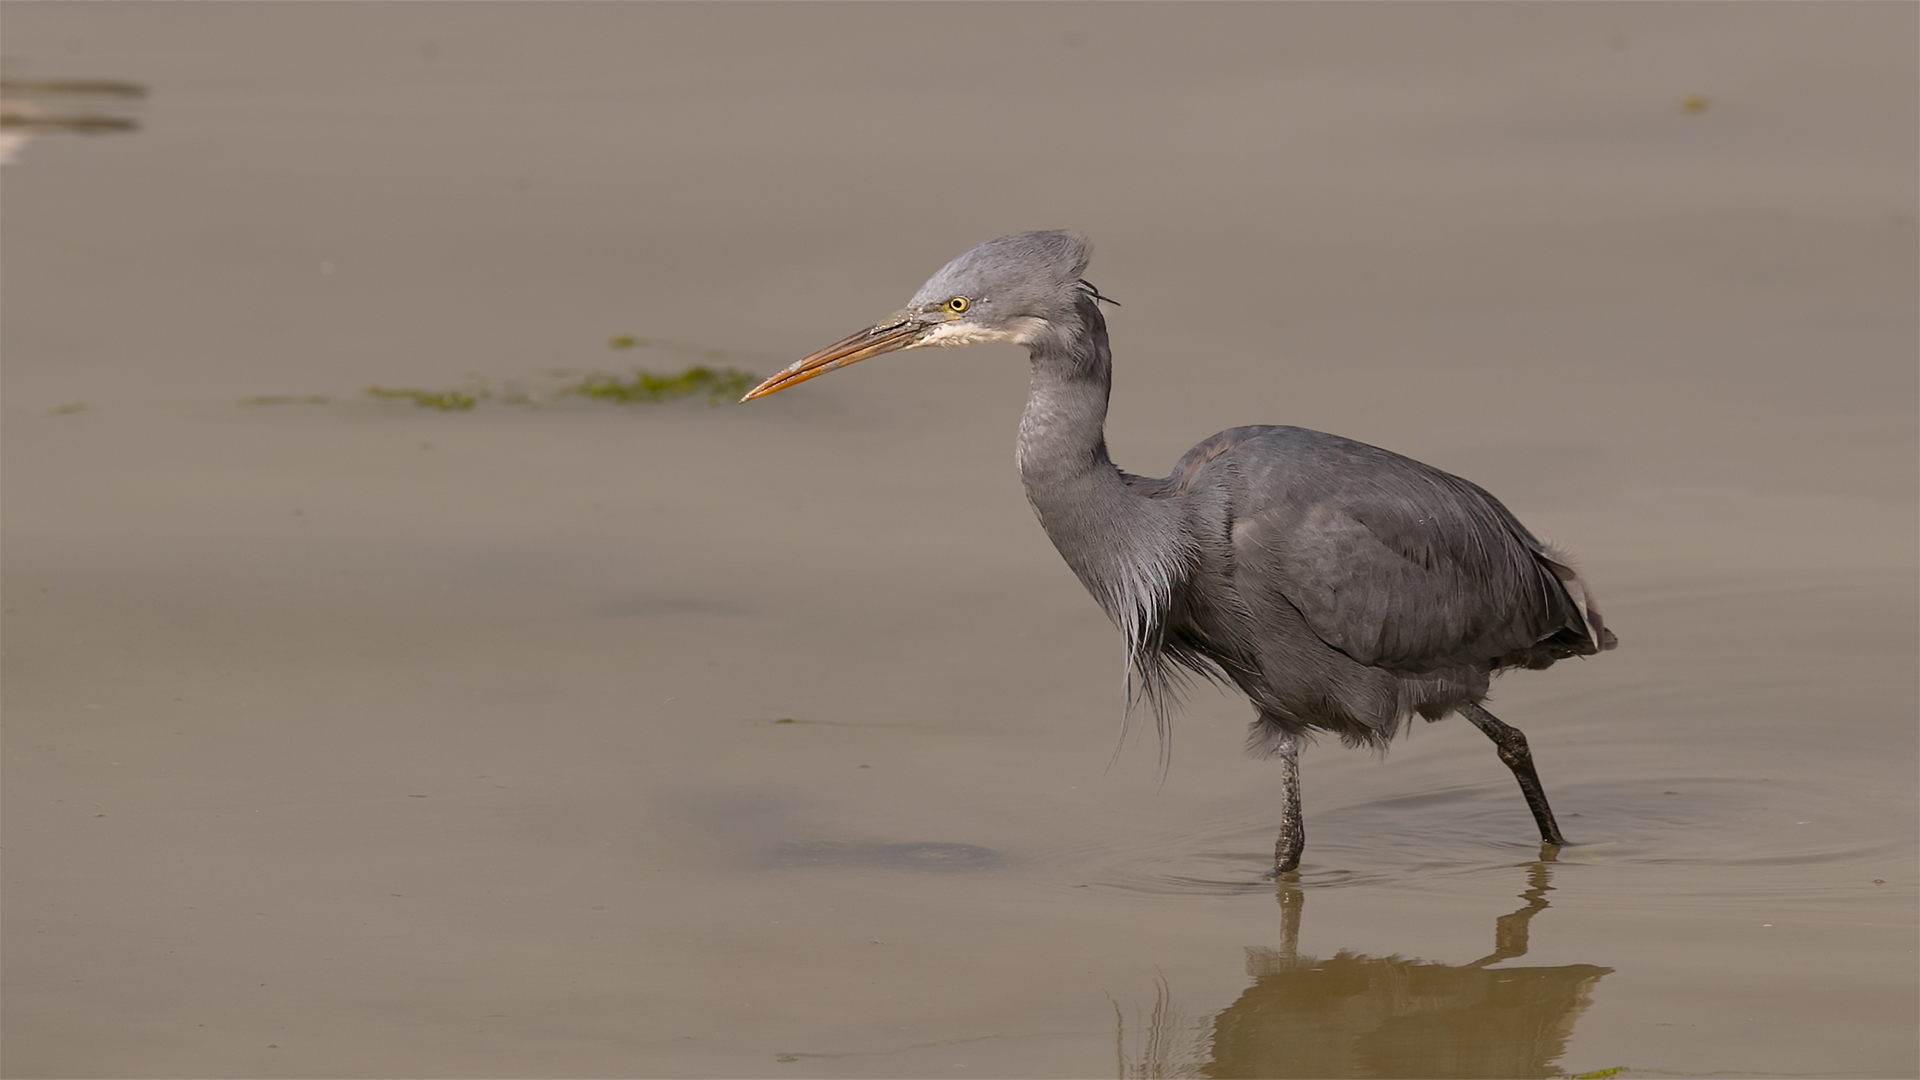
column 644, row 387
column 30, row 107
column 444, row 400
column 69, row 407
column 706, row 376
column 718, row 385
column 71, row 88
column 285, row 399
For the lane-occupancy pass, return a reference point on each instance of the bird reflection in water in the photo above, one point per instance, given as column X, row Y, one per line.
column 1367, row 1016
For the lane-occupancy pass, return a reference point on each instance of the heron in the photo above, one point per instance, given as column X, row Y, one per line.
column 1343, row 588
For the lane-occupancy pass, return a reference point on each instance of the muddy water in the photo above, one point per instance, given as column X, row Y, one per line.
column 562, row 738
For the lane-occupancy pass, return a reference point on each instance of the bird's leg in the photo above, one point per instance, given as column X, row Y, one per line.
column 1293, row 832
column 1512, row 746
column 1292, row 900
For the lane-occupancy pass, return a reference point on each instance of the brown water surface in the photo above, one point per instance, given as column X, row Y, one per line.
column 555, row 737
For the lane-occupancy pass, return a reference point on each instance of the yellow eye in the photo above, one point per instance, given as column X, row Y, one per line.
column 958, row 305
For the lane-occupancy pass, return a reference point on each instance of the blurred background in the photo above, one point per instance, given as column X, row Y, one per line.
column 535, row 715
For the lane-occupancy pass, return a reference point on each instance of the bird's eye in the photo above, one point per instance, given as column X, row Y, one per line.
column 958, row 304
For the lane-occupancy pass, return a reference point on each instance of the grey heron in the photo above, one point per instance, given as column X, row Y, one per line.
column 1343, row 588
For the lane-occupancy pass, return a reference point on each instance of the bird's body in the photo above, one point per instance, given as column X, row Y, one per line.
column 1343, row 588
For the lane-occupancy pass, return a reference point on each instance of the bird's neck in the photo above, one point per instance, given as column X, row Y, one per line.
column 1063, row 432
column 1122, row 545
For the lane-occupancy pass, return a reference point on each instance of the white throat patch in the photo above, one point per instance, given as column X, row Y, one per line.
column 964, row 332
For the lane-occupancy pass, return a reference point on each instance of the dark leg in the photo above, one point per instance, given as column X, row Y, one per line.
column 1293, row 832
column 1513, row 750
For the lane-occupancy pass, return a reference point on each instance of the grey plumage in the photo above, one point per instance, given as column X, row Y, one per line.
column 1343, row 588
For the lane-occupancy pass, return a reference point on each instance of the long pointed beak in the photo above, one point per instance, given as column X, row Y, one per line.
column 850, row 350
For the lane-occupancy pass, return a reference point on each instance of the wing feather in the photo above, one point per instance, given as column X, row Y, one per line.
column 1392, row 562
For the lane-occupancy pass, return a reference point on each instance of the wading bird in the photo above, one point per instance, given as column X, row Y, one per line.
column 1342, row 587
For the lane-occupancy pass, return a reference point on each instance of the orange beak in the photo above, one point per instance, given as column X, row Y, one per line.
column 850, row 350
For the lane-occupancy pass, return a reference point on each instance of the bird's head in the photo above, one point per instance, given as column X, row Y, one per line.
column 1009, row 289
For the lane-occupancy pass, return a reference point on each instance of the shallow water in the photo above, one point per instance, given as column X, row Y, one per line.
column 349, row 738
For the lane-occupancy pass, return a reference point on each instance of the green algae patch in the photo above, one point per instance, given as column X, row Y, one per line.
column 285, row 399
column 645, row 387
column 444, row 400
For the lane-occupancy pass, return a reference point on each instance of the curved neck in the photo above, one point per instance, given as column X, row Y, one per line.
column 1124, row 547
column 1063, row 431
